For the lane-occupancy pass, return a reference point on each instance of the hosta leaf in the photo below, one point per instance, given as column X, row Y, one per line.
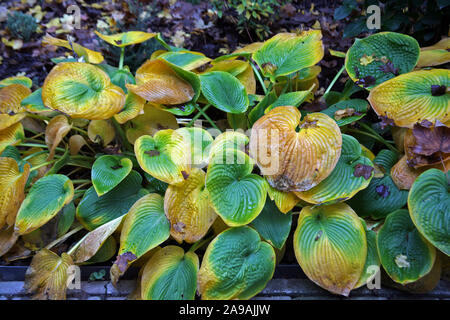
column 76, row 142
column 7, row 121
column 8, row 239
column 158, row 82
column 101, row 132
column 247, row 78
column 286, row 53
column 289, row 99
column 134, row 105
column 34, row 103
column 45, row 199
column 65, row 219
column 155, row 185
column 144, row 228
column 93, row 211
column 47, row 275
column 414, row 97
column 165, row 156
column 108, row 171
column 429, row 207
column 285, row 201
column 430, row 58
column 382, row 196
column 56, row 130
column 12, row 188
column 347, row 111
column 403, row 175
column 273, row 225
column 228, row 140
column 330, row 246
column 200, row 141
column 11, row 136
column 291, row 160
column 236, row 265
column 25, row 81
column 82, row 90
column 170, row 274
column 91, row 56
column 88, row 246
column 126, row 38
column 352, row 173
column 236, row 194
column 372, row 265
column 233, row 67
column 188, row 208
column 107, row 251
column 153, row 120
column 380, row 57
column 224, row 91
column 10, row 98
column 187, row 60
column 405, row 254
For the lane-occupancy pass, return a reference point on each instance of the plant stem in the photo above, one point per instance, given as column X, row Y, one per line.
column 260, row 79
column 197, row 116
column 80, row 130
column 335, row 79
column 81, row 181
column 207, row 117
column 64, row 237
column 122, row 56
column 377, row 138
column 38, row 117
column 200, row 243
column 38, row 145
column 123, row 139
column 34, row 155
column 42, row 165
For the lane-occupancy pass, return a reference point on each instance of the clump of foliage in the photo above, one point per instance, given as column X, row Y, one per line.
column 425, row 20
column 21, row 25
column 250, row 16
column 103, row 163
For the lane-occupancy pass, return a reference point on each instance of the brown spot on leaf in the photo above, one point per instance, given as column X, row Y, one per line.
column 363, row 170
column 117, row 167
column 308, row 124
column 344, row 113
column 152, row 153
column 437, row 90
column 319, row 234
column 185, row 174
column 123, row 260
column 179, row 226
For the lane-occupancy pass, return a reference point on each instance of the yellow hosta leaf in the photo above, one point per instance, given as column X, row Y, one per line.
column 76, row 142
column 82, row 90
column 188, row 208
column 285, row 201
column 151, row 121
column 134, row 105
column 430, row 58
column 12, row 189
column 126, row 38
column 56, row 130
column 101, row 131
column 6, row 120
column 158, row 83
column 92, row 56
column 11, row 136
column 291, row 160
column 47, row 275
column 10, row 98
column 7, row 240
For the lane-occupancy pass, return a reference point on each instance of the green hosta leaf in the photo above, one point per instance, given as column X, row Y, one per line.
column 94, row 211
column 119, row 77
column 224, row 91
column 33, row 103
column 405, row 254
column 382, row 56
column 144, row 228
column 382, row 196
column 372, row 266
column 200, row 141
column 45, row 199
column 182, row 110
column 347, row 111
column 330, row 246
column 108, row 171
column 165, row 156
column 273, row 225
column 352, row 173
column 187, row 60
column 237, row 195
column 105, row 253
column 429, row 207
column 66, row 218
column 155, row 185
column 290, row 99
column 286, row 53
column 170, row 274
column 236, row 265
column 258, row 111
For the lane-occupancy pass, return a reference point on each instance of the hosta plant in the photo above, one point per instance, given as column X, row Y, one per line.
column 101, row 165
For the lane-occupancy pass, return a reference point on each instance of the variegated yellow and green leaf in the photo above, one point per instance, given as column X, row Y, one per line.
column 404, row 253
column 414, row 97
column 188, row 60
column 330, row 246
column 170, row 274
column 108, row 171
column 236, row 194
column 236, row 265
column 380, row 57
column 45, row 199
column 94, row 211
column 188, row 208
column 200, row 142
column 347, row 111
column 352, row 173
column 429, row 207
column 126, row 38
column 372, row 265
column 134, row 105
column 25, row 81
column 106, row 252
column 82, row 90
column 285, row 201
column 101, row 132
column 90, row 56
column 165, row 156
column 11, row 136
column 291, row 160
column 144, row 228
column 286, row 53
column 228, row 140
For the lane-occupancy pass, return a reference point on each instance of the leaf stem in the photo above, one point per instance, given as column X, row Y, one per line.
column 122, row 57
column 335, row 79
column 42, row 165
column 64, row 237
column 197, row 115
column 260, row 79
column 123, row 139
column 38, row 117
column 200, row 243
column 377, row 138
column 34, row 155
